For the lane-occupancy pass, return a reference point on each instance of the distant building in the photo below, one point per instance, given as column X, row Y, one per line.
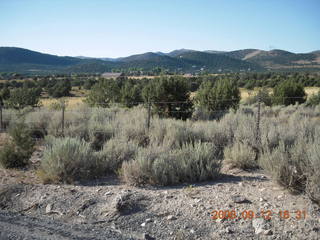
column 112, row 75
column 188, row 75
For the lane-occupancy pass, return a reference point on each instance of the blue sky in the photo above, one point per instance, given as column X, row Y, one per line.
column 115, row 28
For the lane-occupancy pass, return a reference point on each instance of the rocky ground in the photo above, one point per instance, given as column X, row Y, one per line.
column 109, row 209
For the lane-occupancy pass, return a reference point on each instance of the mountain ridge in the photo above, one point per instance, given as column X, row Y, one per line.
column 180, row 60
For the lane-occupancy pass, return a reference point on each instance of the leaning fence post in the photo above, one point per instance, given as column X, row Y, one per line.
column 149, row 115
column 62, row 120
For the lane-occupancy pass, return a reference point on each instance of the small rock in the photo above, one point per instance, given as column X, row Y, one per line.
column 240, row 184
column 148, row 220
column 268, row 232
column 171, row 217
column 228, row 230
column 146, row 236
column 239, row 199
column 261, row 199
column 259, row 225
column 266, row 205
column 280, row 197
column 108, row 193
column 143, row 224
column 48, row 208
column 192, row 231
column 262, row 189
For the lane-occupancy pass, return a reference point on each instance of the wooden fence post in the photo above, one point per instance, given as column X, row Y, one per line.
column 149, row 115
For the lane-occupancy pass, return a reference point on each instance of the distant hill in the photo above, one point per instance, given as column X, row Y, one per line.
column 216, row 62
column 177, row 52
column 12, row 55
column 183, row 61
column 278, row 59
column 241, row 54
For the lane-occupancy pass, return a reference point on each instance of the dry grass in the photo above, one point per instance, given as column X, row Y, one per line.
column 311, row 90
column 246, row 93
column 72, row 102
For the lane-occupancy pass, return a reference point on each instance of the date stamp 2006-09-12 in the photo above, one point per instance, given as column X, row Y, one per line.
column 250, row 214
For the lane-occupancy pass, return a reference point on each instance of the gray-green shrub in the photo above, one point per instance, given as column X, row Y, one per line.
column 241, row 155
column 190, row 163
column 114, row 153
column 68, row 160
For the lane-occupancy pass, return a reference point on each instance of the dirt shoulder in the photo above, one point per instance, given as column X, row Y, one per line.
column 109, row 209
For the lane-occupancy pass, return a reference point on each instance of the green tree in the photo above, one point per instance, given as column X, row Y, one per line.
column 22, row 97
column 170, row 97
column 60, row 89
column 130, row 94
column 264, row 96
column 103, row 93
column 4, row 95
column 221, row 95
column 288, row 92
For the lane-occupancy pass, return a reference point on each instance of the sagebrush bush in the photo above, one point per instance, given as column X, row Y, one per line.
column 176, row 151
column 114, row 153
column 286, row 165
column 68, row 160
column 190, row 163
column 11, row 158
column 241, row 155
column 312, row 168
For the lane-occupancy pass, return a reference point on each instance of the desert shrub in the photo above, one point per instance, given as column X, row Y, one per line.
column 286, row 165
column 241, row 155
column 17, row 151
column 99, row 134
column 131, row 126
column 114, row 153
column 191, row 163
column 172, row 134
column 21, row 138
column 11, row 158
column 312, row 169
column 67, row 160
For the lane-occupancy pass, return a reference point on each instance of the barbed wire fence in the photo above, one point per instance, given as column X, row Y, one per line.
column 150, row 111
